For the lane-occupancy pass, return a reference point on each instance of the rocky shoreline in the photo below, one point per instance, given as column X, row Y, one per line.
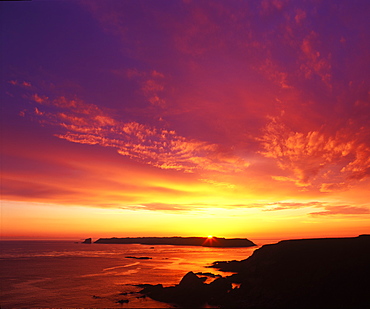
column 307, row 273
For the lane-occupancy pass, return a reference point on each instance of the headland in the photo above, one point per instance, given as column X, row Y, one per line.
column 307, row 273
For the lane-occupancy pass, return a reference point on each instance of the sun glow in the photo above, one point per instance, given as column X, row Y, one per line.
column 209, row 236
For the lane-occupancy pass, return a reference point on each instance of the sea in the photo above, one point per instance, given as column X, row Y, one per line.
column 68, row 274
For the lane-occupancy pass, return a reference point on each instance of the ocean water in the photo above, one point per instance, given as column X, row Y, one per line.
column 66, row 274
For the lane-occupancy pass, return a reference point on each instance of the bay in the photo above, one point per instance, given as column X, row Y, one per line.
column 63, row 274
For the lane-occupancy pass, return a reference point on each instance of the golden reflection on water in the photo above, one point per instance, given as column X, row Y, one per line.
column 64, row 274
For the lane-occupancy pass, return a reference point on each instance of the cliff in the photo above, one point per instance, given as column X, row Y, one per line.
column 183, row 241
column 308, row 273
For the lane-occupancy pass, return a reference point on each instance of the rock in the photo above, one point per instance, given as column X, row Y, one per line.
column 208, row 275
column 191, row 282
column 220, row 285
column 123, row 301
column 138, row 258
column 155, row 292
column 141, row 296
column 149, row 288
column 187, row 293
column 230, row 266
column 191, row 291
column 218, row 290
column 306, row 273
column 87, row 241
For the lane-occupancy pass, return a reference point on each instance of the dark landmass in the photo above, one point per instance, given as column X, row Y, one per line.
column 190, row 292
column 87, row 241
column 122, row 301
column 182, row 241
column 138, row 257
column 208, row 275
column 307, row 273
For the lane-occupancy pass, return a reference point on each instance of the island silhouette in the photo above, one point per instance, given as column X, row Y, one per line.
column 181, row 241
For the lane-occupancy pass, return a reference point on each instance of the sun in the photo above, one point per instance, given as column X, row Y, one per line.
column 209, row 236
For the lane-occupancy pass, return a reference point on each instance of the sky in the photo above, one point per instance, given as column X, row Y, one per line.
column 185, row 118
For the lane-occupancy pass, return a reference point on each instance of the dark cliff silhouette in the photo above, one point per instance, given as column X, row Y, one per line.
column 309, row 273
column 183, row 241
column 87, row 241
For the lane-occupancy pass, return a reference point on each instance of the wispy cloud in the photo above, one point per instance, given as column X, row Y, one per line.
column 314, row 61
column 342, row 210
column 163, row 148
column 317, row 156
column 291, row 205
column 152, row 84
column 159, row 207
column 24, row 84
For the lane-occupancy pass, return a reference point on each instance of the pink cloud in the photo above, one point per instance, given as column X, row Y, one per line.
column 23, row 84
column 39, row 99
column 300, row 16
column 88, row 124
column 269, row 6
column 272, row 72
column 152, row 84
column 316, row 62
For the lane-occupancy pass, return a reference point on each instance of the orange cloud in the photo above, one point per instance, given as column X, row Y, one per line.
column 316, row 156
column 39, row 99
column 342, row 210
column 332, row 187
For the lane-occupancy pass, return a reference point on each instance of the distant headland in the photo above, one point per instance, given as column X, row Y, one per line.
column 180, row 241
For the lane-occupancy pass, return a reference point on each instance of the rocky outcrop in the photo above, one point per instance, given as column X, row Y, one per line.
column 87, row 241
column 191, row 291
column 123, row 301
column 207, row 274
column 309, row 273
column 183, row 241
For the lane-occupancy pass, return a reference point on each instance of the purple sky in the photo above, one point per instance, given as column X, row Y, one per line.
column 173, row 107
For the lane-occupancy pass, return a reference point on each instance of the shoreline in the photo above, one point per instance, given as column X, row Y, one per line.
column 327, row 272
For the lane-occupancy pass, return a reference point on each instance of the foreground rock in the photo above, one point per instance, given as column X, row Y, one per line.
column 190, row 292
column 310, row 273
column 183, row 241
